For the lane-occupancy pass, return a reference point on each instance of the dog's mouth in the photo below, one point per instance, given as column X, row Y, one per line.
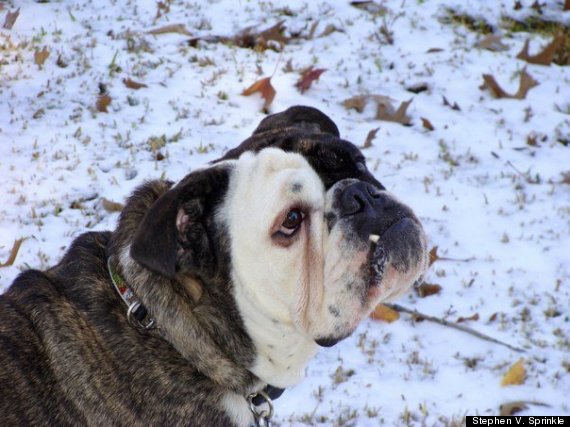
column 400, row 245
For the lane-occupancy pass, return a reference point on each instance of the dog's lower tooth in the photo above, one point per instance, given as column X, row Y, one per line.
column 374, row 238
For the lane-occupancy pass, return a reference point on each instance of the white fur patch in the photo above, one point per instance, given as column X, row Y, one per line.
column 237, row 408
column 291, row 294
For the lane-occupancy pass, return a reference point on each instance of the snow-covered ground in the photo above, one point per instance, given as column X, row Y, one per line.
column 491, row 181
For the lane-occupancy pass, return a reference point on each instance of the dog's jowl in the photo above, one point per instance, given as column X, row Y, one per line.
column 209, row 290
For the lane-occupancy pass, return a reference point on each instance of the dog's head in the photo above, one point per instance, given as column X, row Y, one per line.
column 296, row 223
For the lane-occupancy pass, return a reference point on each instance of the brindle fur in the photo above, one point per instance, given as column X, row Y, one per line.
column 69, row 356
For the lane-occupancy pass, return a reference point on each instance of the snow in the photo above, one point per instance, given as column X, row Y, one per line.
column 483, row 194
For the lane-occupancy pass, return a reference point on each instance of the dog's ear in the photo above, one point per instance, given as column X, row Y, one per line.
column 284, row 130
column 306, row 118
column 173, row 234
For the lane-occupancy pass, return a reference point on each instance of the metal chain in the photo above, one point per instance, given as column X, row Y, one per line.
column 262, row 416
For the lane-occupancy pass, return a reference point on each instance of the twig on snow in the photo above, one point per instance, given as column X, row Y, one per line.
column 459, row 327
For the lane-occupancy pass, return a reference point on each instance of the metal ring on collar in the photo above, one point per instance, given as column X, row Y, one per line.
column 263, row 414
column 134, row 321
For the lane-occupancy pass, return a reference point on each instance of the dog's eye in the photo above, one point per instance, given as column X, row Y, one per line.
column 292, row 221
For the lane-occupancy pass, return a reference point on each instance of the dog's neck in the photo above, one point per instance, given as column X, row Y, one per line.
column 283, row 352
column 185, row 325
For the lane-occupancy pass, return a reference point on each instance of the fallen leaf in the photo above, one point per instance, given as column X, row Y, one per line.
column 172, row 28
column 526, row 83
column 417, row 87
column 111, row 206
column 433, row 256
column 250, row 38
column 11, row 19
column 329, row 29
column 369, row 6
column 565, row 178
column 102, row 103
column 427, row 124
column 511, row 408
column 532, row 140
column 448, row 104
column 39, row 113
column 544, row 57
column 566, row 5
column 385, row 111
column 428, row 289
column 356, row 102
column 13, row 253
column 493, row 317
column 467, row 319
column 265, row 88
column 370, row 137
column 493, row 43
column 308, row 77
column 40, row 56
column 385, row 314
column 274, row 33
column 515, row 375
column 434, row 50
column 131, row 84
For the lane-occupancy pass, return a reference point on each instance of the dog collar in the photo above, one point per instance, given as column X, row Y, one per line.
column 137, row 314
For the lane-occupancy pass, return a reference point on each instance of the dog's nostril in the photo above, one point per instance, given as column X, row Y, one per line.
column 373, row 192
column 359, row 197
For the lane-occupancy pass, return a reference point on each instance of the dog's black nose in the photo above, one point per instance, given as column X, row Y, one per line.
column 361, row 197
column 371, row 209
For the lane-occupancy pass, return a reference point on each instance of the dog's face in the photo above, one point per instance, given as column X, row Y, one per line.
column 307, row 239
column 315, row 257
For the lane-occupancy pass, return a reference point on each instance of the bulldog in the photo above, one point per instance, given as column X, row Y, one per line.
column 212, row 292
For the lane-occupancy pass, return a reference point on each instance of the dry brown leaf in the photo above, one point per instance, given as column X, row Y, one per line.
column 103, row 101
column 493, row 317
column 385, row 111
column 312, row 30
column 467, row 319
column 511, row 408
column 40, row 56
column 172, row 28
column 428, row 289
column 370, row 137
column 434, row 50
column 250, row 38
column 433, row 256
column 448, row 104
column 329, row 29
column 565, row 178
column 356, row 102
column 418, row 87
column 308, row 77
column 544, row 57
column 275, row 33
column 566, row 5
column 369, row 6
column 427, row 124
column 11, row 19
column 515, row 375
column 385, row 314
column 131, row 84
column 111, row 206
column 493, row 43
column 526, row 83
column 13, row 253
column 265, row 88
